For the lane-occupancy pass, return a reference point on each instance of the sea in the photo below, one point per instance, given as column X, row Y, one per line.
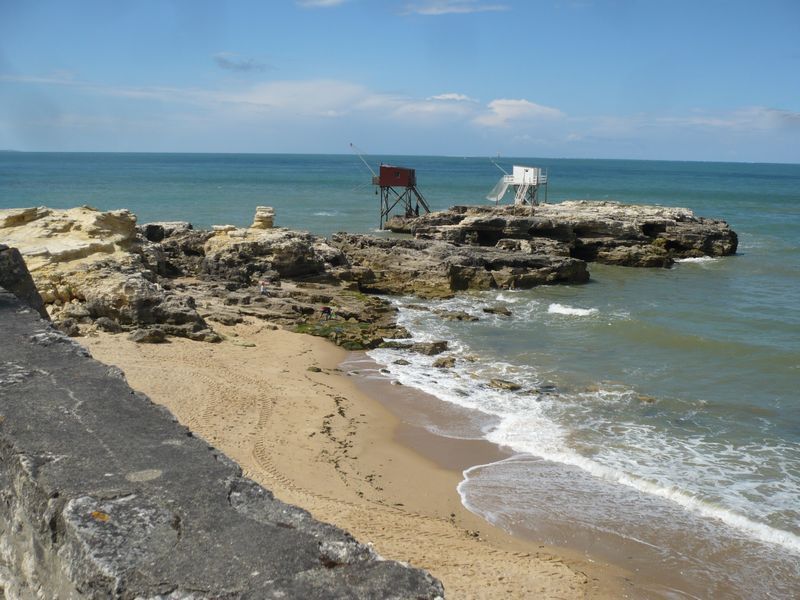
column 657, row 422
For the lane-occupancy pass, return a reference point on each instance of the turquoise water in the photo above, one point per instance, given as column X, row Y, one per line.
column 655, row 396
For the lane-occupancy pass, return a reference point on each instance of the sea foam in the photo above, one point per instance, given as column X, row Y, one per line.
column 530, row 422
column 549, row 447
column 561, row 309
column 697, row 259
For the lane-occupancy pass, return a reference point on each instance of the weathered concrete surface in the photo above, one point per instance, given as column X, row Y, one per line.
column 15, row 277
column 104, row 495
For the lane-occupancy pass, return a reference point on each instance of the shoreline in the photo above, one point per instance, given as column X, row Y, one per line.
column 277, row 403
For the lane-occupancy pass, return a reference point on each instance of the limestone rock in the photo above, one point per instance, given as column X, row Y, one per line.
column 607, row 232
column 183, row 252
column 445, row 362
column 148, row 336
column 95, row 258
column 430, row 268
column 157, row 231
column 47, row 236
column 497, row 310
column 502, row 384
column 264, row 218
column 68, row 327
column 245, row 257
column 429, row 348
column 108, row 325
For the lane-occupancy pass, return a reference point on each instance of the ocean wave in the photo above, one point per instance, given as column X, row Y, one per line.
column 658, row 457
column 754, row 529
column 562, row 309
column 636, row 454
column 698, row 259
column 509, row 296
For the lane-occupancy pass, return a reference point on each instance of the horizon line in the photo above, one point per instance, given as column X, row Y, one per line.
column 454, row 156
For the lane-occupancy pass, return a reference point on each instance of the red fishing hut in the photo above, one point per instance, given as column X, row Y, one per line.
column 398, row 185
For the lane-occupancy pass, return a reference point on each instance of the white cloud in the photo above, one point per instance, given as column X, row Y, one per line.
column 452, row 98
column 57, row 78
column 503, row 112
column 422, row 108
column 320, row 105
column 450, row 7
column 319, row 3
column 751, row 118
column 307, row 97
column 311, row 98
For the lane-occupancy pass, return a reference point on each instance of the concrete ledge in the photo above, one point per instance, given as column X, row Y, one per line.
column 104, row 495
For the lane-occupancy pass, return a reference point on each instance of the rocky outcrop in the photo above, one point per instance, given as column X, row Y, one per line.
column 432, row 268
column 14, row 277
column 168, row 277
column 88, row 264
column 357, row 321
column 98, row 270
column 48, row 238
column 606, row 232
column 157, row 231
column 245, row 255
column 104, row 495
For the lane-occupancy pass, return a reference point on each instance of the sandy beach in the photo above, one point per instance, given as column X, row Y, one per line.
column 277, row 403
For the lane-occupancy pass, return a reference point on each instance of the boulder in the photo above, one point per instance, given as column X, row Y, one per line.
column 183, row 252
column 156, row 232
column 246, row 256
column 429, row 348
column 107, row 324
column 497, row 310
column 68, row 327
column 502, row 384
column 445, row 362
column 148, row 336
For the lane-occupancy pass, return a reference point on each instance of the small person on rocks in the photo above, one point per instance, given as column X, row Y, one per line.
column 263, row 287
column 327, row 313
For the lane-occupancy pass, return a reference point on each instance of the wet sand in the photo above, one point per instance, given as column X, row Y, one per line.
column 277, row 403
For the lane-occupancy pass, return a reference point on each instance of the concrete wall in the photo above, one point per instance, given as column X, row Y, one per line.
column 104, row 495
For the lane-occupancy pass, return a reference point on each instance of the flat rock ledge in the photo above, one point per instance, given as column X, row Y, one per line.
column 605, row 232
column 434, row 268
column 104, row 495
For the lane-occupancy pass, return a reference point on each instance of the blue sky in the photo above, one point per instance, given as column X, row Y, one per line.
column 650, row 79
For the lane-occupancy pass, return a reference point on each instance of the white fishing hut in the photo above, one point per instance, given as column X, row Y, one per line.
column 526, row 182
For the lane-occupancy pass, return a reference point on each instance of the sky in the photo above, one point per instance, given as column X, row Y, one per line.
column 711, row 80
